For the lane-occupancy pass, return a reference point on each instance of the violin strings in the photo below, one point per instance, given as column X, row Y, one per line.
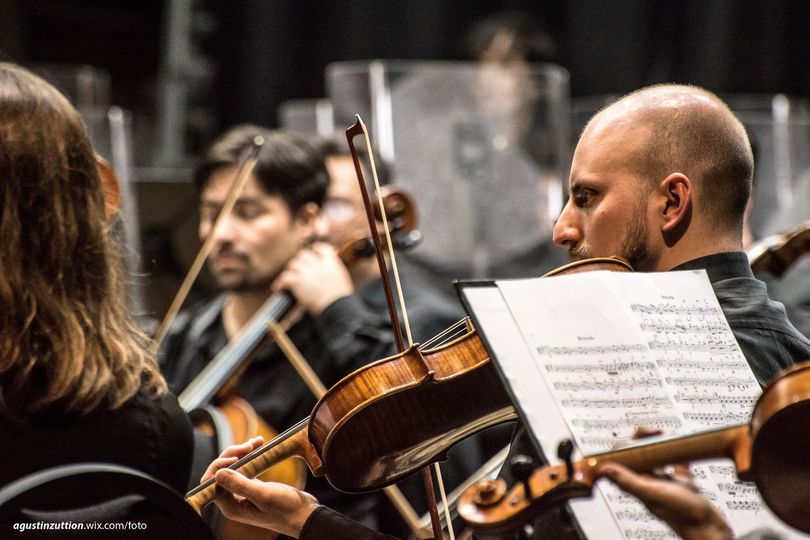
column 289, row 432
column 445, row 336
column 454, row 332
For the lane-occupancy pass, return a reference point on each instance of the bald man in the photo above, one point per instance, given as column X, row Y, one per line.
column 660, row 177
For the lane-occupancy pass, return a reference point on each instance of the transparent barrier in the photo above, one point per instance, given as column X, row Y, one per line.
column 779, row 129
column 484, row 149
column 110, row 129
column 85, row 86
column 311, row 116
column 111, row 133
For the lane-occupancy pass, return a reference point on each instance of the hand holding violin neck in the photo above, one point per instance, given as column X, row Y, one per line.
column 292, row 443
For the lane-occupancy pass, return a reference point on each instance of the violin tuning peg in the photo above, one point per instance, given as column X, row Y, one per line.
column 565, row 450
column 522, row 467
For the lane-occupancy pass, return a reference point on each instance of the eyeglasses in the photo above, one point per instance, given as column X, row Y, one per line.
column 339, row 210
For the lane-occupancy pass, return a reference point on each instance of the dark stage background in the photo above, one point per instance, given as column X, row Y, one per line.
column 188, row 69
column 246, row 57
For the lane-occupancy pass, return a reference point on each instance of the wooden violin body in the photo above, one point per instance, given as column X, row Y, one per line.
column 389, row 419
column 771, row 451
column 775, row 254
column 361, row 436
column 410, row 413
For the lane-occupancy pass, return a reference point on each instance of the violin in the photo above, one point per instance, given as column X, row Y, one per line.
column 350, row 438
column 775, row 254
column 771, row 451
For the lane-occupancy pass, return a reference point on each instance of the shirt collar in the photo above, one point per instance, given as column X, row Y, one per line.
column 720, row 266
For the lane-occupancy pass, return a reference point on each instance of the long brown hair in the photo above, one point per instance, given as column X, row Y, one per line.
column 67, row 342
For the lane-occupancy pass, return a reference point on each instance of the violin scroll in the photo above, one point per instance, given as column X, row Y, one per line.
column 776, row 253
column 403, row 220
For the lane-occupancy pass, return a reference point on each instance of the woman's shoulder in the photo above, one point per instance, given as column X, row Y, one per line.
column 147, row 432
column 161, row 413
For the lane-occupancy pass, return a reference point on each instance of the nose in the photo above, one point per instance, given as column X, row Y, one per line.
column 566, row 230
column 322, row 227
column 224, row 232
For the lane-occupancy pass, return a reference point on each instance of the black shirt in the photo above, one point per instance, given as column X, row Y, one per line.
column 152, row 435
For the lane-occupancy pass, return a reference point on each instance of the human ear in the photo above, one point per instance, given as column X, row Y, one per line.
column 307, row 218
column 676, row 190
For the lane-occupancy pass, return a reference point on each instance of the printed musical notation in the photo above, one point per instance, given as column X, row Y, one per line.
column 733, row 488
column 617, row 367
column 633, row 515
column 722, row 470
column 598, row 444
column 682, row 327
column 621, row 351
column 618, row 403
column 746, row 506
column 582, row 386
column 648, row 534
column 696, row 382
column 666, row 308
column 747, row 402
column 677, row 364
column 693, row 343
column 582, row 350
column 668, row 423
column 718, row 419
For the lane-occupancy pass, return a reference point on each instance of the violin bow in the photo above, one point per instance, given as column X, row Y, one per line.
column 242, row 177
column 356, row 129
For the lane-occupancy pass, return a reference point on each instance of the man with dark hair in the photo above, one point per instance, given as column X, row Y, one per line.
column 257, row 249
column 660, row 178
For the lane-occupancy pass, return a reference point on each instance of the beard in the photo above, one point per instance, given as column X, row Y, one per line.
column 242, row 282
column 239, row 280
column 634, row 247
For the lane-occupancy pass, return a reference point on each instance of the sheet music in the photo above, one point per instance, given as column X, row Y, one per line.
column 614, row 351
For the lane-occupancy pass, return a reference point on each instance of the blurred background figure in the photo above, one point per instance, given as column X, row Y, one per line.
column 776, row 232
column 482, row 146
